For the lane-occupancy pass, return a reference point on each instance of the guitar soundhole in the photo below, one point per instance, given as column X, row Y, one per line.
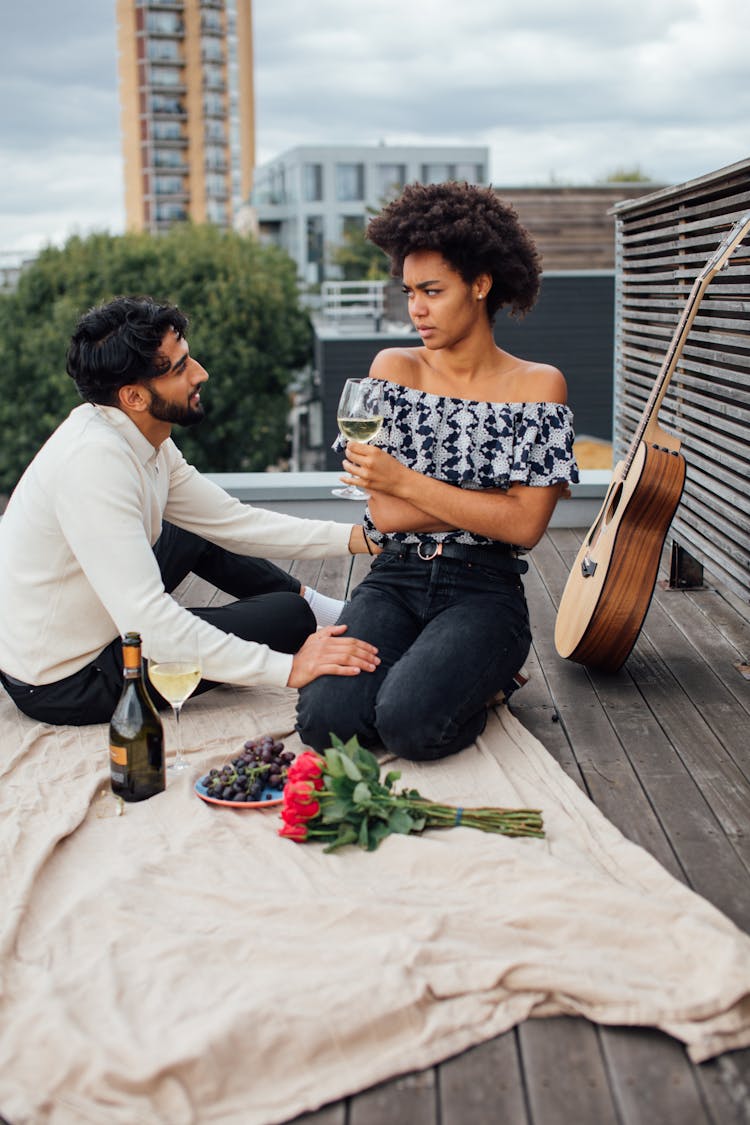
column 614, row 503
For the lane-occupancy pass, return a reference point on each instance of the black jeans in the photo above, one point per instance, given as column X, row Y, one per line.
column 449, row 635
column 269, row 611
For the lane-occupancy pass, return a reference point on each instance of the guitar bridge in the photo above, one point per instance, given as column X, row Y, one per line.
column 588, row 567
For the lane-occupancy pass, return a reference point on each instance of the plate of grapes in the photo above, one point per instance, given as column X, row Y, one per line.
column 253, row 780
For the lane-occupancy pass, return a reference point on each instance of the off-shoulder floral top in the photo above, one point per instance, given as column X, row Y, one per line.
column 473, row 445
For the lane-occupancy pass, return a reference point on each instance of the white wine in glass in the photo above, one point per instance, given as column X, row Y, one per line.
column 174, row 668
column 360, row 418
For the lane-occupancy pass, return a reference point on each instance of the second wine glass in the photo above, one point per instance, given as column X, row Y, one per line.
column 360, row 418
column 174, row 668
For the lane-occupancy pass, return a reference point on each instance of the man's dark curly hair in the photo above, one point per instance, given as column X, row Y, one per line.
column 118, row 343
column 472, row 229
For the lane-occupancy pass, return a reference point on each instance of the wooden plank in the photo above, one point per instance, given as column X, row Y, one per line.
column 694, row 812
column 702, row 682
column 611, row 779
column 732, row 453
column 719, row 489
column 643, row 340
column 689, row 788
column 645, row 287
column 533, row 704
column 725, row 1086
column 196, row 593
column 722, row 210
column 720, row 563
column 724, row 639
column 642, row 367
column 730, row 616
column 484, row 1084
column 411, row 1098
column 717, row 312
column 712, row 411
column 335, row 575
column 690, row 378
column 566, row 1079
column 732, row 533
column 652, row 1079
column 654, row 221
column 333, row 1114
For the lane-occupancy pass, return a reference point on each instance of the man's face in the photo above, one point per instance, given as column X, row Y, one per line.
column 175, row 395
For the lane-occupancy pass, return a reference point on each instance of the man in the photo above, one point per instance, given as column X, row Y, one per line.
column 109, row 517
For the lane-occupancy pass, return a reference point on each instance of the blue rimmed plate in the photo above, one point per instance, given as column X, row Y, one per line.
column 269, row 798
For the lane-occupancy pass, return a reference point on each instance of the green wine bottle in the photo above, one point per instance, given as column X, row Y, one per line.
column 136, row 735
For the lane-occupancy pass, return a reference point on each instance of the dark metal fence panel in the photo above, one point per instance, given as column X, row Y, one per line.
column 663, row 243
column 571, row 327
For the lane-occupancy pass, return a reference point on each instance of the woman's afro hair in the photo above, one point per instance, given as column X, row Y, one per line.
column 473, row 230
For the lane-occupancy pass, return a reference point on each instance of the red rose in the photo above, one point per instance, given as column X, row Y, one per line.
column 307, row 767
column 296, row 832
column 292, row 813
column 300, row 792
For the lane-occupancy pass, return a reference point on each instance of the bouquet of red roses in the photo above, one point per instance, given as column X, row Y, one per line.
column 338, row 798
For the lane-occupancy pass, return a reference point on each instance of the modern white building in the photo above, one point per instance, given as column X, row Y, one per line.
column 308, row 197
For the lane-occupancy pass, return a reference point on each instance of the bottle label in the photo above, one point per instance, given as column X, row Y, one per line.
column 118, row 754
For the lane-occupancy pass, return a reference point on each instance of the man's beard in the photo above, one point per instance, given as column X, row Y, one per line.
column 173, row 412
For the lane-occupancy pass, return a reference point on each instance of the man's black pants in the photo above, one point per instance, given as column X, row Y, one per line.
column 269, row 611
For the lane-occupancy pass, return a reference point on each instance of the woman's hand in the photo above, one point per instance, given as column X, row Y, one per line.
column 373, row 469
column 328, row 653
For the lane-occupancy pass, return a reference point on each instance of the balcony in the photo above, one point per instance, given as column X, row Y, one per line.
column 162, row 167
column 211, row 23
column 167, row 28
column 170, row 214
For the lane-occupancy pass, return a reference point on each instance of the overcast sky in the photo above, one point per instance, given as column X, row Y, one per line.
column 560, row 92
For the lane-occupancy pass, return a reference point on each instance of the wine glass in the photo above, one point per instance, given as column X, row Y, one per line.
column 174, row 668
column 360, row 418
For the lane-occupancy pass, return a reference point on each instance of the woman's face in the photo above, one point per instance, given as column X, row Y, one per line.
column 443, row 307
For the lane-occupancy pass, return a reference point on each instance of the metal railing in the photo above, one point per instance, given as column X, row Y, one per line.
column 344, row 300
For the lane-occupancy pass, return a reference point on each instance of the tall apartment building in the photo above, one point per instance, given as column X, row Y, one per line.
column 187, row 109
column 308, row 197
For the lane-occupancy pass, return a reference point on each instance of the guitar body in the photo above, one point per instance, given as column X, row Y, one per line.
column 609, row 589
column 610, row 586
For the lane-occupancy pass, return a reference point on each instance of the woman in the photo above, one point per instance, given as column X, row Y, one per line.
column 475, row 450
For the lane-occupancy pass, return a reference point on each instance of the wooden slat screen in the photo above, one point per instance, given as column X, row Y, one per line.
column 663, row 241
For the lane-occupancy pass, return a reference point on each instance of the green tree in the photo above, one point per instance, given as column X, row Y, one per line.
column 358, row 259
column 247, row 329
column 622, row 175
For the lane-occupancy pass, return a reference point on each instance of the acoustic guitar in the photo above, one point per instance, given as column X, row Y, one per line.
column 609, row 589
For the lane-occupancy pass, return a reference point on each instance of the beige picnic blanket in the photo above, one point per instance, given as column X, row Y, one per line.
column 182, row 964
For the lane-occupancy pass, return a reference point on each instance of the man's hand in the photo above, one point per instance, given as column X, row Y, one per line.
column 327, row 653
column 359, row 544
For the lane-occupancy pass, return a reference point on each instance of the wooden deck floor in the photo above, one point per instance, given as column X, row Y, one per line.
column 663, row 749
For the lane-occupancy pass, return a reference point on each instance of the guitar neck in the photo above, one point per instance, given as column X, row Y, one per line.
column 648, row 427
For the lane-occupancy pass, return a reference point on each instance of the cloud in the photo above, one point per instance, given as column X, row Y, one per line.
column 448, row 69
column 556, row 91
